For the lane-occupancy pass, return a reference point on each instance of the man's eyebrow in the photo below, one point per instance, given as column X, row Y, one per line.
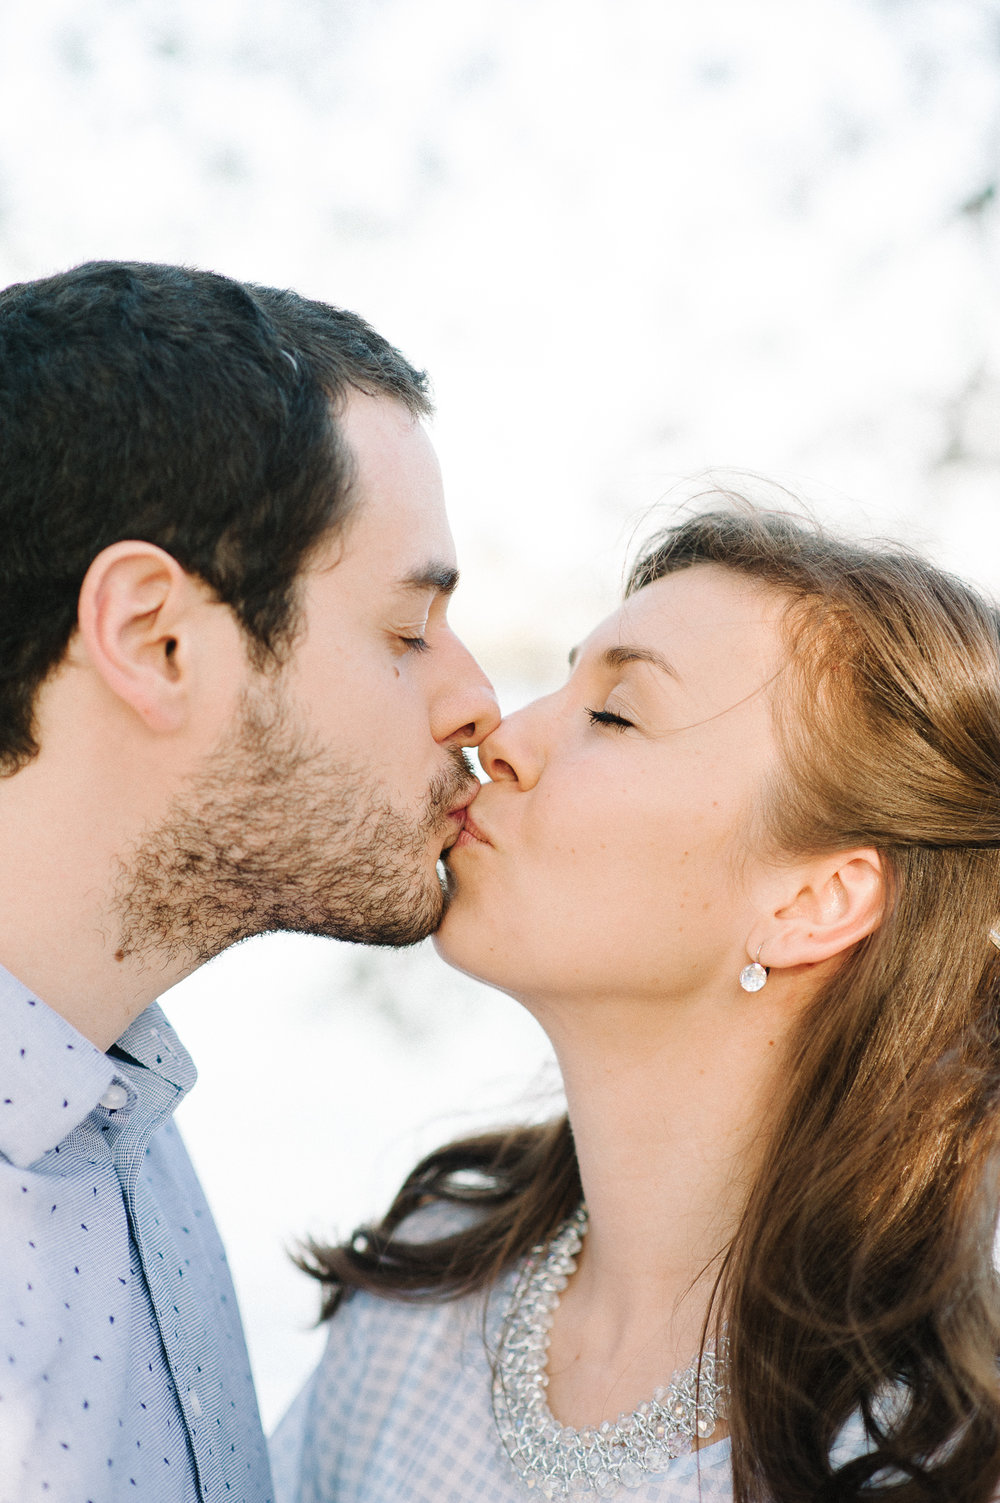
column 619, row 657
column 441, row 578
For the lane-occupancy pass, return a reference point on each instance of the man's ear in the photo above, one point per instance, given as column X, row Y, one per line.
column 134, row 628
column 837, row 902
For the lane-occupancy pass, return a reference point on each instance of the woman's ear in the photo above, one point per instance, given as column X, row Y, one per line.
column 839, row 902
column 134, row 623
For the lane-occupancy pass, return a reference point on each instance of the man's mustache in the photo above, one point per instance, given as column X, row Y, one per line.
column 450, row 786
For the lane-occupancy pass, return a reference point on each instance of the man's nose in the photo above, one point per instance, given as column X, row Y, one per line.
column 467, row 710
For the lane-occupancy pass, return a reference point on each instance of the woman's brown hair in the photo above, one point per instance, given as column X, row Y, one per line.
column 861, row 1275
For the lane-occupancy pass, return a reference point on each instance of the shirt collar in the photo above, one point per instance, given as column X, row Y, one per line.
column 152, row 1043
column 52, row 1078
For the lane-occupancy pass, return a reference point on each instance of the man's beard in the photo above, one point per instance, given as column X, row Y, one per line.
column 274, row 834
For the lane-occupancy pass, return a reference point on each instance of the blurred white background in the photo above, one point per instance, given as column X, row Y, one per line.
column 633, row 241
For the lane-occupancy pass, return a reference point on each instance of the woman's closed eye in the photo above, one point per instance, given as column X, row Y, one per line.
column 608, row 717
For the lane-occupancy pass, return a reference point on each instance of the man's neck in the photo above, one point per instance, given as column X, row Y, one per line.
column 58, row 928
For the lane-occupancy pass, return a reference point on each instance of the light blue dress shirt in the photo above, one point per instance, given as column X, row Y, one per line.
column 123, row 1367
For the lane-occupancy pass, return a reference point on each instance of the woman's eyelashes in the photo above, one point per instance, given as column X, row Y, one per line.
column 415, row 644
column 608, row 717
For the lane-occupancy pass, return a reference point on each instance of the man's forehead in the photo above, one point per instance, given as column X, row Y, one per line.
column 390, row 448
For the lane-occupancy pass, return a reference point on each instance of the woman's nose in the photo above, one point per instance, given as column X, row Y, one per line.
column 514, row 752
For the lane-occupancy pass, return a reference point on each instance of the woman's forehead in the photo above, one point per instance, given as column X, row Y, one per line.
column 697, row 613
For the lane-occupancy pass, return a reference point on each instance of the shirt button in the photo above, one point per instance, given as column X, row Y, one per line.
column 114, row 1097
column 195, row 1403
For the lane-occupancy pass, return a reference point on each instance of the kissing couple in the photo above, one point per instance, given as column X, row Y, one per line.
column 742, row 866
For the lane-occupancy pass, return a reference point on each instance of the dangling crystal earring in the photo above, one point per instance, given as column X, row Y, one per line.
column 754, row 975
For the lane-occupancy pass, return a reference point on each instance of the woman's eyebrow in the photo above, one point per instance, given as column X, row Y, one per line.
column 620, row 656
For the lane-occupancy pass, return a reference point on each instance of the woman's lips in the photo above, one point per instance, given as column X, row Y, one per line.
column 470, row 834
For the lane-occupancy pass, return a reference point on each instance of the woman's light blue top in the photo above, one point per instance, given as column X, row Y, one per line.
column 399, row 1411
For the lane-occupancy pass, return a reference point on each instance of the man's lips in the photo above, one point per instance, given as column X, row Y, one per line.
column 459, row 814
column 470, row 834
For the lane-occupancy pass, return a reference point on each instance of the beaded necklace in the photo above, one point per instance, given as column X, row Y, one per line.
column 557, row 1460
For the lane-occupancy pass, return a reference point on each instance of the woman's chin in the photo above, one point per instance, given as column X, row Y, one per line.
column 445, row 938
column 460, row 941
column 441, row 946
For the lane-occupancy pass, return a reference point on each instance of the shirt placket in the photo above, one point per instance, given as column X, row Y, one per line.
column 197, row 1381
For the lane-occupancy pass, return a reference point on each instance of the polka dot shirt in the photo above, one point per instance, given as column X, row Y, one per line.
column 123, row 1368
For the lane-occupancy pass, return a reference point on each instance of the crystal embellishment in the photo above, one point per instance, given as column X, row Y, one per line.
column 753, row 976
column 555, row 1460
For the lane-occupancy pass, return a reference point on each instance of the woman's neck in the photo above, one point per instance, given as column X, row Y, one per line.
column 670, row 1109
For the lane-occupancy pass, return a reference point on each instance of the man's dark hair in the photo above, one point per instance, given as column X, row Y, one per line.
column 180, row 408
